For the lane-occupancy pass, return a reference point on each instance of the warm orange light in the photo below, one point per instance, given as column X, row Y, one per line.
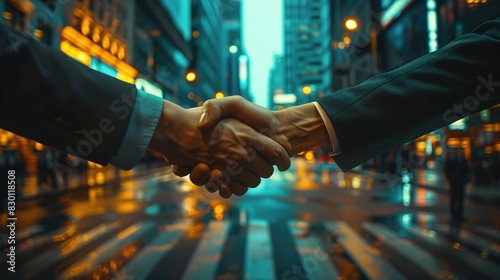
column 7, row 15
column 200, row 103
column 351, row 24
column 106, row 41
column 219, row 95
column 125, row 78
column 191, row 76
column 347, row 40
column 38, row 146
column 86, row 22
column 306, row 90
column 122, row 52
column 488, row 127
column 309, row 156
column 196, row 34
column 465, row 144
column 453, row 143
column 114, row 47
column 75, row 52
column 488, row 149
column 496, row 127
column 96, row 36
column 100, row 178
column 125, row 71
column 473, row 3
column 421, row 146
column 38, row 33
column 191, row 95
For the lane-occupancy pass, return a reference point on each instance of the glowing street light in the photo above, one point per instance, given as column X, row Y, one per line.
column 191, row 76
column 233, row 49
column 306, row 90
column 219, row 95
column 351, row 24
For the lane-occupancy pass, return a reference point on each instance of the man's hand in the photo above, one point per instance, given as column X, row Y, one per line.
column 297, row 129
column 238, row 155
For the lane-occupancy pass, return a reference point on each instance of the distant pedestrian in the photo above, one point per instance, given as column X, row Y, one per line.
column 496, row 168
column 458, row 173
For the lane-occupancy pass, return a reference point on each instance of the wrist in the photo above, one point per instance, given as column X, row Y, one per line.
column 303, row 127
column 160, row 137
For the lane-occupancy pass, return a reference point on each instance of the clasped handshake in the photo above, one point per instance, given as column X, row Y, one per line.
column 229, row 144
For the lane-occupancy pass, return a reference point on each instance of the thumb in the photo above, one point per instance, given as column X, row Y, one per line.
column 214, row 110
column 209, row 117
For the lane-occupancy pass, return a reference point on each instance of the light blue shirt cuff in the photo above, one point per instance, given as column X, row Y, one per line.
column 145, row 117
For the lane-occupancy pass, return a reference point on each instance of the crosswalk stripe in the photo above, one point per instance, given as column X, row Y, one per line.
column 488, row 232
column 27, row 241
column 462, row 257
column 29, row 232
column 54, row 255
column 24, row 234
column 203, row 264
column 432, row 267
column 366, row 257
column 149, row 257
column 86, row 266
column 259, row 257
column 33, row 243
column 315, row 261
column 474, row 241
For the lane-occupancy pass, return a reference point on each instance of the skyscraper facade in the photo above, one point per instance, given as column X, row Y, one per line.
column 237, row 66
column 307, row 55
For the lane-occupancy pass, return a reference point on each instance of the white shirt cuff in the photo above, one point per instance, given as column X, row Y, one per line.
column 142, row 124
column 335, row 147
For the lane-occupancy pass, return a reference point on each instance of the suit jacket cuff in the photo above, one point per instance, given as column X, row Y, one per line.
column 334, row 149
column 143, row 121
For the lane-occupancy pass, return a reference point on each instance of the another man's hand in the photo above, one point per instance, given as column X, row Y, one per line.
column 238, row 155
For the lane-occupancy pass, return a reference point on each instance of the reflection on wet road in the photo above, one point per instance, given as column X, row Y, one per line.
column 311, row 220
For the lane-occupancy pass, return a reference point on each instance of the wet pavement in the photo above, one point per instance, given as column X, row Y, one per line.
column 311, row 222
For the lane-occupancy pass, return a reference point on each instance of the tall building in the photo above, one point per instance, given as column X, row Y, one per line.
column 307, row 55
column 237, row 66
column 354, row 27
column 159, row 40
column 146, row 43
column 207, row 43
column 277, row 97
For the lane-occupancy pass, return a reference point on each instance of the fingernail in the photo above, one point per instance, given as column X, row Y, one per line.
column 203, row 119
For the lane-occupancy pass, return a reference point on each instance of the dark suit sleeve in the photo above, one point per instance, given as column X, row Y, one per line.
column 436, row 89
column 49, row 97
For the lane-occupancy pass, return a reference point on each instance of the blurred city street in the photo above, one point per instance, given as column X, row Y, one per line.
column 311, row 222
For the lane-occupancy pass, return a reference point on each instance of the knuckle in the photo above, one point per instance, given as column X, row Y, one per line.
column 210, row 106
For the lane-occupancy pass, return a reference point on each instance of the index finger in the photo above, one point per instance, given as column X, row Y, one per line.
column 273, row 152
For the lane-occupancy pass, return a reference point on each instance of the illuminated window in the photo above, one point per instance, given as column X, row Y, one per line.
column 432, row 25
column 14, row 17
